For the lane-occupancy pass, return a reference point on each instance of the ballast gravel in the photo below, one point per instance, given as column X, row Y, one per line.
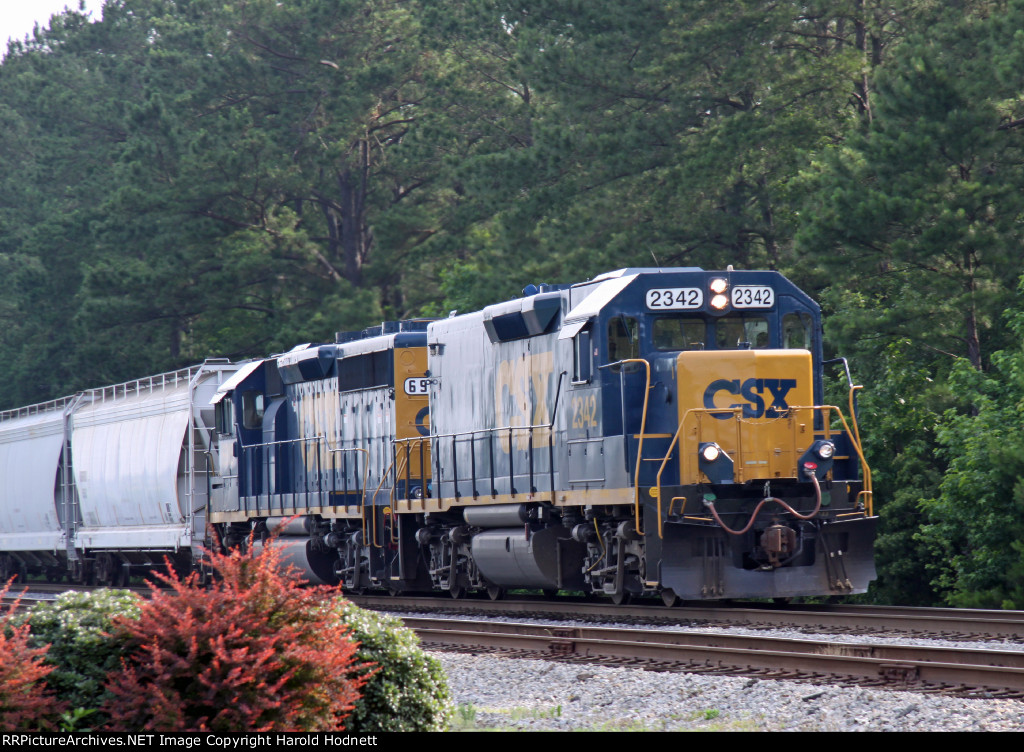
column 536, row 695
column 493, row 692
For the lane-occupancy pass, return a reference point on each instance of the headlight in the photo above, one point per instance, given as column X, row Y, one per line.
column 826, row 449
column 715, row 463
column 719, row 302
column 719, row 285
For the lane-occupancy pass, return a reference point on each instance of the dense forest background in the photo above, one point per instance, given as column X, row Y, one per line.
column 194, row 178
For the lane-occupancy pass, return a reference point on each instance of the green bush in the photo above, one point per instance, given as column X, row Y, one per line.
column 410, row 691
column 76, row 627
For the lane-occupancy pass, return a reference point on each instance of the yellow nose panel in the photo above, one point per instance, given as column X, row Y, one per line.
column 756, row 404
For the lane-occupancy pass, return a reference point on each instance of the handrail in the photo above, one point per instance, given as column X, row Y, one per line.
column 398, row 470
column 867, row 492
column 497, row 431
column 373, row 500
column 472, row 437
column 327, row 445
column 671, row 447
column 860, row 452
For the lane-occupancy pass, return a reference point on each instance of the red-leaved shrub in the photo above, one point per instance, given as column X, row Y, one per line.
column 255, row 652
column 25, row 702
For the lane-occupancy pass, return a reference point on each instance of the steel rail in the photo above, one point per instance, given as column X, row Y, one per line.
column 964, row 624
column 934, row 668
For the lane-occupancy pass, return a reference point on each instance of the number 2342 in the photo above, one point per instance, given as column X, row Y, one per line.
column 584, row 411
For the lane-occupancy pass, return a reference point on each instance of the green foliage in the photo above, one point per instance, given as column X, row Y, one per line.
column 257, row 651
column 899, row 416
column 976, row 521
column 410, row 691
column 82, row 648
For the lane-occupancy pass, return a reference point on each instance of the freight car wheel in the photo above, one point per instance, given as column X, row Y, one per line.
column 103, row 569
column 669, row 597
column 495, row 593
column 621, row 598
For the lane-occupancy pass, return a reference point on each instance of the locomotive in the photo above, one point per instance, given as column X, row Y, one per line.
column 649, row 432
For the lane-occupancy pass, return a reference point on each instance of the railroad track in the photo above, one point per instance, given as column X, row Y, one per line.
column 965, row 672
column 971, row 671
column 952, row 624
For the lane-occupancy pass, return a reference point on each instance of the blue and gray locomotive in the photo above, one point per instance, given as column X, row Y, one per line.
column 648, row 432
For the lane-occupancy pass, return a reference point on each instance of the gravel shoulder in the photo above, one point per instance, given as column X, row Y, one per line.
column 535, row 695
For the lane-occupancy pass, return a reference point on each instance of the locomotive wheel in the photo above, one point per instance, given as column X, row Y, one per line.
column 495, row 593
column 669, row 597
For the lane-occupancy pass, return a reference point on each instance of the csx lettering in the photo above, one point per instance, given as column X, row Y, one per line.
column 521, row 390
column 754, row 391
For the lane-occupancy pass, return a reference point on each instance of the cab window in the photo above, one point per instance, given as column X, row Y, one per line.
column 742, row 333
column 252, row 410
column 796, row 331
column 623, row 339
column 678, row 334
column 581, row 359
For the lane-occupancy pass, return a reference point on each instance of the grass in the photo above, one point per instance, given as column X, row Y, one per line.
column 466, row 719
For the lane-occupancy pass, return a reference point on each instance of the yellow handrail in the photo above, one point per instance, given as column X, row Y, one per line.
column 668, row 454
column 366, row 474
column 407, row 446
column 855, row 440
column 868, row 490
column 825, row 409
column 373, row 499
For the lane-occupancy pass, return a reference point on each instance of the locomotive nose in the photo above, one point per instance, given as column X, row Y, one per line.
column 753, row 406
